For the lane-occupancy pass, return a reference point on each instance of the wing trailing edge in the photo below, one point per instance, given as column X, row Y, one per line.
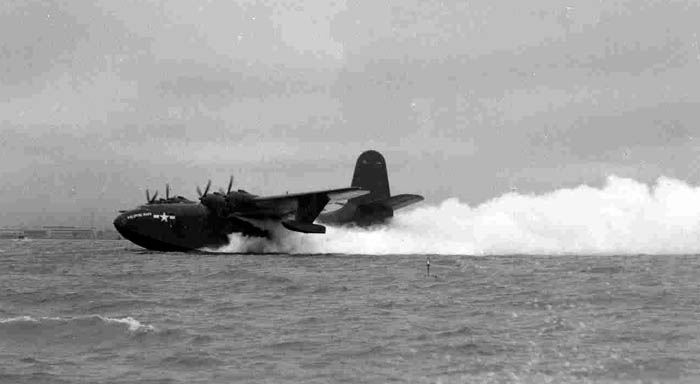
column 400, row 201
column 332, row 194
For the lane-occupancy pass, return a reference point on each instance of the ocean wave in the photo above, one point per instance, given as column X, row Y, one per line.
column 191, row 360
column 129, row 322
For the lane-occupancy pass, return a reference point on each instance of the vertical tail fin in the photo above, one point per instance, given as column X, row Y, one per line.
column 370, row 174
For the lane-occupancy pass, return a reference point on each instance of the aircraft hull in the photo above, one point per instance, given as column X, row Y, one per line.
column 180, row 227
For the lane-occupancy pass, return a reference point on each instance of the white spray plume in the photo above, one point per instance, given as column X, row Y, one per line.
column 623, row 217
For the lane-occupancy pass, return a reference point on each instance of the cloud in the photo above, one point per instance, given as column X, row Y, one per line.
column 38, row 37
column 149, row 91
column 73, row 101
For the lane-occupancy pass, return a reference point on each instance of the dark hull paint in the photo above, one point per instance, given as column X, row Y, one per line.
column 152, row 244
column 180, row 227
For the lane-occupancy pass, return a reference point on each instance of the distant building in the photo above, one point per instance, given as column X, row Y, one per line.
column 58, row 232
column 36, row 233
column 67, row 232
column 11, row 233
column 108, row 235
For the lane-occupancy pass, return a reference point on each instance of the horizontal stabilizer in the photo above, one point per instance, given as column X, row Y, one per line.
column 298, row 226
column 400, row 201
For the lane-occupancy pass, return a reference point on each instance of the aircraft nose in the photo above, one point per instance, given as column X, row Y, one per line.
column 120, row 222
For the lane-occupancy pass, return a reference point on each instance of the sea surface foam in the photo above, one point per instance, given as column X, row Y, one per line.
column 623, row 217
column 132, row 324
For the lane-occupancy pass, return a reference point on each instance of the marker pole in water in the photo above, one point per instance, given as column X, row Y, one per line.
column 427, row 265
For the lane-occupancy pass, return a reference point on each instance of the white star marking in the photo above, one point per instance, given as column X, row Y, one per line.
column 163, row 217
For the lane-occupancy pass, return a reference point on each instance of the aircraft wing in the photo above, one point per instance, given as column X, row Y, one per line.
column 400, row 201
column 304, row 206
column 332, row 194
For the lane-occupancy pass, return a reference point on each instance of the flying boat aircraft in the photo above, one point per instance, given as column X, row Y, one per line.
column 180, row 224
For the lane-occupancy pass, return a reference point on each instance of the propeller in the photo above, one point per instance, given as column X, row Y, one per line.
column 220, row 201
column 228, row 189
column 206, row 189
column 150, row 199
column 167, row 191
column 230, row 184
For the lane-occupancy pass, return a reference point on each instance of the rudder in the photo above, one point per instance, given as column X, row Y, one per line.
column 370, row 174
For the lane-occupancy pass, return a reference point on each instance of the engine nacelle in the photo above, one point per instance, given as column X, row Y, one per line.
column 215, row 202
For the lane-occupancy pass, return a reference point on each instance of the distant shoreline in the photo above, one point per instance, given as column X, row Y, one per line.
column 59, row 233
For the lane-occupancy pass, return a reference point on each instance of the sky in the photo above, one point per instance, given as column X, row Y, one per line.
column 101, row 100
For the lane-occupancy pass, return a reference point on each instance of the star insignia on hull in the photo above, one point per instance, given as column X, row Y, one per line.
column 164, row 217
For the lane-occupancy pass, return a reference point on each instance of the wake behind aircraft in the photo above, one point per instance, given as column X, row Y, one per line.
column 375, row 207
column 180, row 224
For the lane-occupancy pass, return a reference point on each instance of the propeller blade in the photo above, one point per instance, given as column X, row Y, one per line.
column 206, row 189
column 167, row 190
column 154, row 197
column 230, row 184
column 148, row 196
column 199, row 191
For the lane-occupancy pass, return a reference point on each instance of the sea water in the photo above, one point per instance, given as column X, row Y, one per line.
column 108, row 311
